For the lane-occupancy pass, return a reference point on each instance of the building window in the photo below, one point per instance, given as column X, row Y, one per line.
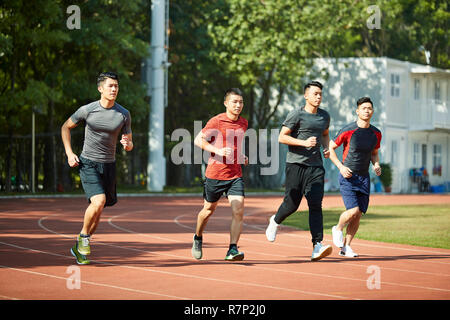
column 416, row 89
column 437, row 91
column 437, row 159
column 424, row 155
column 416, row 155
column 395, row 85
column 394, row 153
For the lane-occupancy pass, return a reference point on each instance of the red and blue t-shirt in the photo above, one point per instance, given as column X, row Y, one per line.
column 359, row 143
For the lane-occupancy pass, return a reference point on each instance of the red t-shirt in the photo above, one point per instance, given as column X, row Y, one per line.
column 223, row 132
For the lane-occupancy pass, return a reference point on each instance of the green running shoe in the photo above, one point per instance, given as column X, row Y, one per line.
column 81, row 259
column 83, row 245
column 234, row 255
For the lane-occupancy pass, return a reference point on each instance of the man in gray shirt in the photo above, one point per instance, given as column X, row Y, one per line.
column 304, row 130
column 105, row 120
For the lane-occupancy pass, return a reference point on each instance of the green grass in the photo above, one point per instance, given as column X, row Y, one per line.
column 420, row 225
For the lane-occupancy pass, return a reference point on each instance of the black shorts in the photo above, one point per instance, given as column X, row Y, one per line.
column 99, row 178
column 213, row 189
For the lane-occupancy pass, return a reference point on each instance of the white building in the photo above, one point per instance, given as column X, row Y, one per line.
column 411, row 103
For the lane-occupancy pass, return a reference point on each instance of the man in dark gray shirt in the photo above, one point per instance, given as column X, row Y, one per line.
column 105, row 120
column 304, row 130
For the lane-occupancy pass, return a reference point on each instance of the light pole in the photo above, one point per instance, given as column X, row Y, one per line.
column 156, row 167
column 33, row 151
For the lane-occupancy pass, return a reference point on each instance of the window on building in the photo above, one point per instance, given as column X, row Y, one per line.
column 424, row 155
column 437, row 91
column 395, row 85
column 437, row 159
column 416, row 89
column 394, row 153
column 416, row 154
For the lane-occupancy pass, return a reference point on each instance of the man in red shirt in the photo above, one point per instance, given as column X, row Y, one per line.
column 222, row 137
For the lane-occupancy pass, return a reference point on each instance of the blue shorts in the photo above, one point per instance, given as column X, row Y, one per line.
column 355, row 191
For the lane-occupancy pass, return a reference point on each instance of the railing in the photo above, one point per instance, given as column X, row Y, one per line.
column 429, row 115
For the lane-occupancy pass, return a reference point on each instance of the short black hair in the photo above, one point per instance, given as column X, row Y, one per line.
column 363, row 100
column 236, row 91
column 104, row 75
column 312, row 84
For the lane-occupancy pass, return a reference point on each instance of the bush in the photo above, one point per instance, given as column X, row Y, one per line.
column 386, row 174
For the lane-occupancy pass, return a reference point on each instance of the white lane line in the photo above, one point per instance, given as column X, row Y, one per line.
column 240, row 283
column 141, row 234
column 337, row 277
column 82, row 281
column 8, row 298
column 418, row 259
column 318, row 275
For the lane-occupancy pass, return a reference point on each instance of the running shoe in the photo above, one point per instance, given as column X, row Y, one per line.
column 234, row 255
column 348, row 252
column 338, row 237
column 320, row 251
column 272, row 228
column 81, row 259
column 197, row 249
column 83, row 245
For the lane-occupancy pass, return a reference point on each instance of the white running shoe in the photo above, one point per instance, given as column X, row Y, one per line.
column 320, row 251
column 338, row 237
column 348, row 252
column 271, row 231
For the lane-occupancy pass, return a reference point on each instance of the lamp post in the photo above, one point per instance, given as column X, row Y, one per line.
column 156, row 167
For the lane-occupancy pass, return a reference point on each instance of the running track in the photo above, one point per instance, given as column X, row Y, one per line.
column 142, row 251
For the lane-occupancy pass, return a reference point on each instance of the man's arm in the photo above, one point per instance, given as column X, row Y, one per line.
column 72, row 158
column 345, row 171
column 201, row 142
column 375, row 158
column 325, row 143
column 286, row 138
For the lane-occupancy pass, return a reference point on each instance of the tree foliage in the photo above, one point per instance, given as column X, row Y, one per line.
column 263, row 46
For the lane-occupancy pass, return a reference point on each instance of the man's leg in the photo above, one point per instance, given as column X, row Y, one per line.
column 314, row 192
column 237, row 218
column 202, row 219
column 346, row 217
column 204, row 215
column 352, row 227
column 92, row 214
column 295, row 175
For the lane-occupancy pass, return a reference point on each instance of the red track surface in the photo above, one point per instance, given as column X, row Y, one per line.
column 142, row 251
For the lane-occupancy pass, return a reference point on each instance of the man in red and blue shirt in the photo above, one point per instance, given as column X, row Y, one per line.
column 361, row 142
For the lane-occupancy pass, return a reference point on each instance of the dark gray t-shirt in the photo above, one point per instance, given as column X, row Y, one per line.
column 102, row 129
column 304, row 125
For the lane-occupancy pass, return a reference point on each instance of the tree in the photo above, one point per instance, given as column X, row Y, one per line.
column 47, row 66
column 269, row 45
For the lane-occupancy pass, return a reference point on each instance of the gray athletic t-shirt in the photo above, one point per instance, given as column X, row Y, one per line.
column 102, row 129
column 304, row 125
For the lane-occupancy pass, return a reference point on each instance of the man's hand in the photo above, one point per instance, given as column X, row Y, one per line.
column 224, row 152
column 346, row 172
column 126, row 142
column 310, row 142
column 73, row 160
column 326, row 153
column 377, row 169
